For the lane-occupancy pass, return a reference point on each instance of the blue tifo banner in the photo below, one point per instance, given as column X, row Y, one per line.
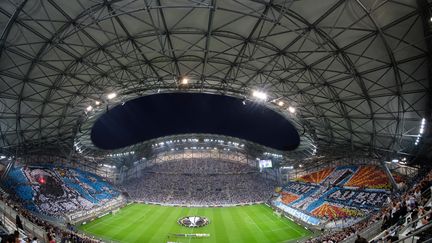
column 297, row 214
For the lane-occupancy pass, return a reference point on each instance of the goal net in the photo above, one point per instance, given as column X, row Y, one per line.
column 277, row 213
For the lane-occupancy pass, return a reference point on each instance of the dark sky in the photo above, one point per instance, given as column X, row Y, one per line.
column 161, row 115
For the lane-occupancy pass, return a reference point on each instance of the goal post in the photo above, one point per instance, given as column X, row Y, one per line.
column 115, row 211
column 277, row 213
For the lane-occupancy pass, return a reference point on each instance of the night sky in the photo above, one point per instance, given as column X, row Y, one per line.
column 161, row 115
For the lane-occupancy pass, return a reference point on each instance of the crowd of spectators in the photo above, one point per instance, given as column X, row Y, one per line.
column 402, row 207
column 16, row 237
column 53, row 233
column 201, row 167
column 200, row 182
column 339, row 236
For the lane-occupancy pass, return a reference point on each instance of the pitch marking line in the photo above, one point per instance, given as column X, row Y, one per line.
column 253, row 222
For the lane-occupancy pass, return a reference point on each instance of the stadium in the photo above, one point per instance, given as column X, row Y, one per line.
column 215, row 121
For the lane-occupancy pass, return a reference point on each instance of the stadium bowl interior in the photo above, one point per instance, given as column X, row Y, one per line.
column 215, row 121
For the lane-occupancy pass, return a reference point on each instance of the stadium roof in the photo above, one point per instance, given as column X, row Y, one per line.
column 355, row 70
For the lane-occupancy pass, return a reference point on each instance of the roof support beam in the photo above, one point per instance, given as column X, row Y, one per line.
column 9, row 25
column 208, row 39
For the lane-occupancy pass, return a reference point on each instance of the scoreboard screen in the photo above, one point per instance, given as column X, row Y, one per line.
column 265, row 164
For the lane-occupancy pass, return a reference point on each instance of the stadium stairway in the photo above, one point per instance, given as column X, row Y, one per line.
column 3, row 192
column 8, row 227
column 8, row 217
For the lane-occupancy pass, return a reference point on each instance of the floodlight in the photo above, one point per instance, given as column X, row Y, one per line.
column 184, row 81
column 111, row 96
column 280, row 103
column 259, row 95
column 291, row 109
column 97, row 102
column 89, row 108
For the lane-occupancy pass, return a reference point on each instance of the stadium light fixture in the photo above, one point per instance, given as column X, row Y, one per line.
column 97, row 102
column 422, row 126
column 421, row 130
column 108, row 166
column 89, row 108
column 185, row 81
column 287, row 167
column 291, row 109
column 259, row 95
column 111, row 96
column 281, row 103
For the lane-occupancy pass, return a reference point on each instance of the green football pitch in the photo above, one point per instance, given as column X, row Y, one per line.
column 152, row 223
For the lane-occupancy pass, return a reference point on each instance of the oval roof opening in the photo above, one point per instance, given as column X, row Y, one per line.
column 160, row 115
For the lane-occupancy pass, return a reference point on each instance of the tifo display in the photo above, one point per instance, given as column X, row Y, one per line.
column 332, row 196
column 56, row 191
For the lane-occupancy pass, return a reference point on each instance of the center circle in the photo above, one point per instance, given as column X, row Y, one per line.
column 193, row 221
